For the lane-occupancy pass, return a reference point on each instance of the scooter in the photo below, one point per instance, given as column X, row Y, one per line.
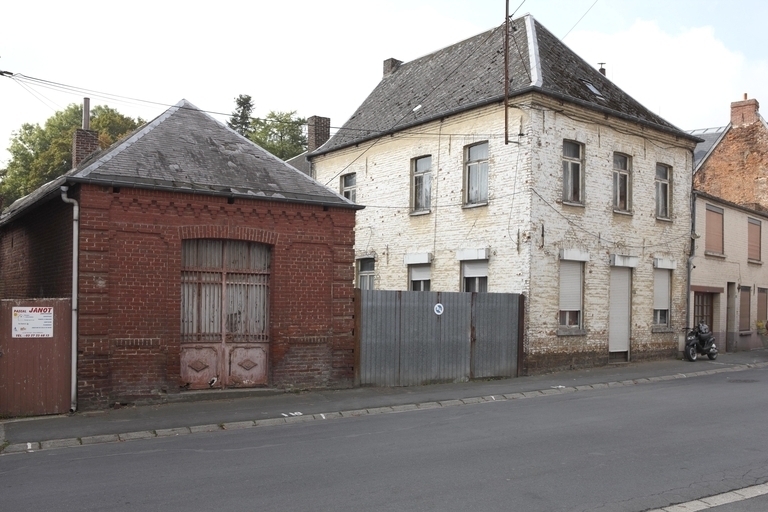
column 700, row 340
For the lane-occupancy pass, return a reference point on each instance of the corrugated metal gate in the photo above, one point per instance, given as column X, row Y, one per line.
column 413, row 338
column 35, row 355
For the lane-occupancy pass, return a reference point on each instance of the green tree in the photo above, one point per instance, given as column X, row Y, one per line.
column 241, row 117
column 41, row 154
column 280, row 133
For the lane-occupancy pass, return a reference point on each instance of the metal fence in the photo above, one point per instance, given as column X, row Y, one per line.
column 412, row 338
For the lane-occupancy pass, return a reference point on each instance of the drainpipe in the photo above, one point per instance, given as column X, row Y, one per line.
column 690, row 259
column 75, row 252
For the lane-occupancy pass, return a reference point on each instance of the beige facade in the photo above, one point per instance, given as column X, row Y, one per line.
column 729, row 277
column 591, row 254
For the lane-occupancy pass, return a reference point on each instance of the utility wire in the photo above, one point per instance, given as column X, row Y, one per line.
column 582, row 17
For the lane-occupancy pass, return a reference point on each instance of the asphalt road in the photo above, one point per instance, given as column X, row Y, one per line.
column 629, row 448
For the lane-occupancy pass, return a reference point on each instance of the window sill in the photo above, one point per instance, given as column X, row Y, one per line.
column 417, row 213
column 714, row 254
column 661, row 328
column 474, row 205
column 664, row 219
column 622, row 212
column 754, row 262
column 573, row 203
column 565, row 331
column 745, row 333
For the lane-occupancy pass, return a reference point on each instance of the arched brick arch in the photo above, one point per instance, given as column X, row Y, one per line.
column 230, row 233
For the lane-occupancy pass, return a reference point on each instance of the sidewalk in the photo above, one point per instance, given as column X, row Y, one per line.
column 206, row 411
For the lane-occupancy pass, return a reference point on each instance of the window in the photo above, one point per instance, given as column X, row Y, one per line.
column 572, row 175
column 349, row 186
column 621, row 182
column 571, row 279
column 663, row 175
column 762, row 305
column 421, row 183
column 476, row 174
column 714, row 230
column 753, row 239
column 475, row 274
column 661, row 293
column 744, row 305
column 420, row 276
column 703, row 308
column 366, row 269
column 224, row 291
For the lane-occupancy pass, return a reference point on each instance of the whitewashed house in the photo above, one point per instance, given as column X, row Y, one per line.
column 564, row 189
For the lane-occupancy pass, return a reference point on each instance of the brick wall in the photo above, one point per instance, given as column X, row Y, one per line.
column 130, row 284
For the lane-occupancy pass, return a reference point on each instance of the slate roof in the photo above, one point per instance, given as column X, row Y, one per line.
column 709, row 139
column 470, row 74
column 186, row 150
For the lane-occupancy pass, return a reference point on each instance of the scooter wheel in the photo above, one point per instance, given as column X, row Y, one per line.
column 690, row 353
column 712, row 357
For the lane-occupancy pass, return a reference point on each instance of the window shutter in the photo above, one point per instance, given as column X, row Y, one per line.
column 661, row 288
column 477, row 268
column 762, row 304
column 714, row 233
column 420, row 272
column 753, row 239
column 570, row 285
column 744, row 309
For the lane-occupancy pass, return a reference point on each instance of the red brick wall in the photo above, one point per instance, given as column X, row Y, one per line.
column 130, row 261
column 737, row 169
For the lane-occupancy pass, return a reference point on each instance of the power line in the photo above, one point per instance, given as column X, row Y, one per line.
column 582, row 17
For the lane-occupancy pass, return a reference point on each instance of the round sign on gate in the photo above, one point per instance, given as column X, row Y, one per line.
column 438, row 309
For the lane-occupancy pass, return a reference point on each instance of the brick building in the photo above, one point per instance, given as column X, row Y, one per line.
column 202, row 261
column 566, row 190
column 729, row 280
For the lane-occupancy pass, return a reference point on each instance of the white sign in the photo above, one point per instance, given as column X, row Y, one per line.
column 438, row 309
column 32, row 322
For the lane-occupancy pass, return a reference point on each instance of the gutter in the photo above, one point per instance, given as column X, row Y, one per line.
column 75, row 275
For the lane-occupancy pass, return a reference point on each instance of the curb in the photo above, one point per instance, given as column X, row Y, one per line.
column 300, row 418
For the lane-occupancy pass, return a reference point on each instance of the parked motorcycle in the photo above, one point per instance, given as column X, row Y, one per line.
column 700, row 340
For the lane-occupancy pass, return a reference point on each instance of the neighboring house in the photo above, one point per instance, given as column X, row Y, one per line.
column 583, row 205
column 732, row 162
column 729, row 279
column 203, row 261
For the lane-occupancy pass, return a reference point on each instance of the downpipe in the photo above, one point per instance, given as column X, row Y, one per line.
column 75, row 273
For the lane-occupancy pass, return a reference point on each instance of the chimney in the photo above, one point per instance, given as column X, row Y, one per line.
column 744, row 112
column 85, row 141
column 391, row 65
column 318, row 132
column 602, row 68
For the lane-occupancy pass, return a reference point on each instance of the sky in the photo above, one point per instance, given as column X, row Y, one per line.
column 686, row 60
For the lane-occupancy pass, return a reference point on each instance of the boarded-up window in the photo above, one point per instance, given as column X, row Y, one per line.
column 744, row 306
column 224, row 291
column 753, row 239
column 714, row 235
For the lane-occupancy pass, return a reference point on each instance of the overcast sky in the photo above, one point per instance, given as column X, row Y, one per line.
column 686, row 60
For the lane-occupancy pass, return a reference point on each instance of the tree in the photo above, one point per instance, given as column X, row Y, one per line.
column 41, row 154
column 280, row 133
column 241, row 117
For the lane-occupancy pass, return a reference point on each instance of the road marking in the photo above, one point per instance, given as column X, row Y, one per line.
column 717, row 500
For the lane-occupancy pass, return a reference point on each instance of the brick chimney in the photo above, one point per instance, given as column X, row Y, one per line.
column 318, row 132
column 391, row 65
column 744, row 112
column 85, row 141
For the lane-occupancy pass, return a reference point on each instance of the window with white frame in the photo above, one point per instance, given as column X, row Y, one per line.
column 366, row 270
column 622, row 182
column 571, row 288
column 349, row 186
column 419, row 277
column 663, row 180
column 661, row 296
column 573, row 163
column 476, row 174
column 421, row 183
column 474, row 276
